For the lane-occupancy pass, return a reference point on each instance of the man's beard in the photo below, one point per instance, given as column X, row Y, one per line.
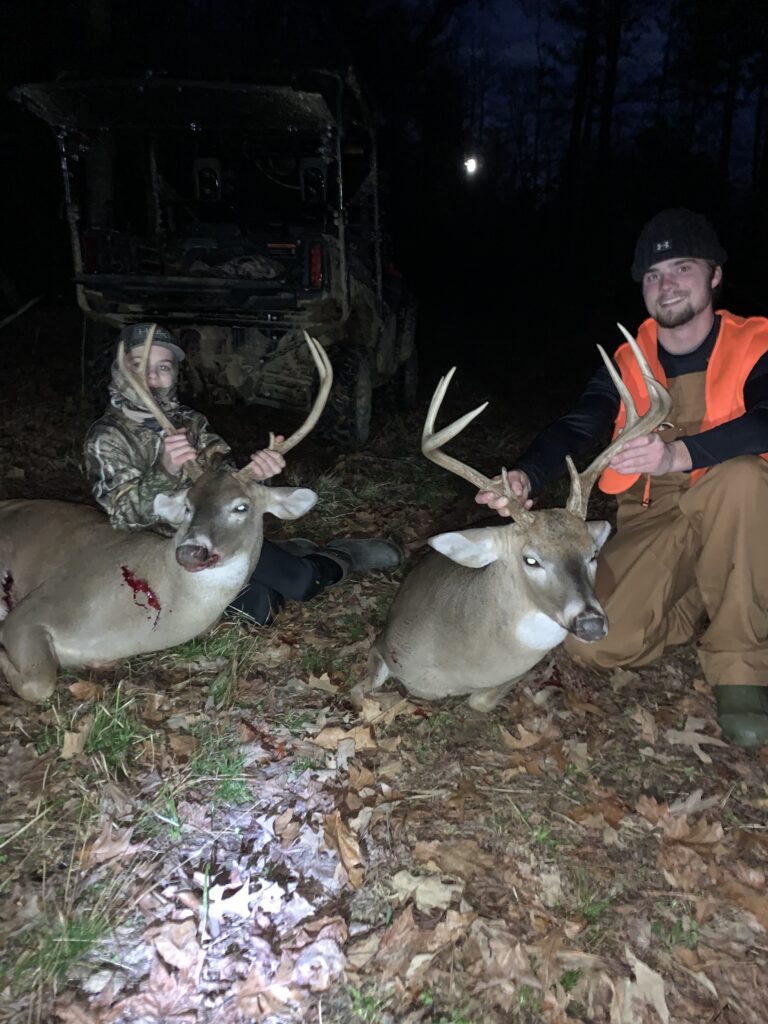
column 677, row 316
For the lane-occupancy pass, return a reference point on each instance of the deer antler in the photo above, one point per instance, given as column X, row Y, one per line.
column 432, row 442
column 325, row 372
column 635, row 426
column 138, row 379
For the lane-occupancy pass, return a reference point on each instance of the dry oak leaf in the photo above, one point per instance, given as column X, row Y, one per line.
column 108, row 846
column 330, row 737
column 462, row 859
column 650, row 809
column 631, row 997
column 428, row 892
column 166, row 999
column 338, row 836
column 692, row 738
column 84, row 689
column 182, row 744
column 527, row 739
column 701, row 833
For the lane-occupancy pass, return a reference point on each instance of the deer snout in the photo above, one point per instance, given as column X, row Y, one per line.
column 590, row 625
column 194, row 557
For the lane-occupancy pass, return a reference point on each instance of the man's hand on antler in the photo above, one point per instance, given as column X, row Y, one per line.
column 650, row 454
column 175, row 451
column 267, row 463
column 520, row 486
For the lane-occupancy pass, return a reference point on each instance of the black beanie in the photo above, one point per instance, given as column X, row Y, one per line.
column 676, row 234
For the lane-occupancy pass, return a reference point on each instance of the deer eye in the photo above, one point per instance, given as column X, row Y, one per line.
column 529, row 560
column 242, row 507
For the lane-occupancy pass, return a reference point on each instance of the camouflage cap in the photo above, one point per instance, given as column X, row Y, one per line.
column 136, row 334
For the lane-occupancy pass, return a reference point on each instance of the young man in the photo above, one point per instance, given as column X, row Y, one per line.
column 130, row 460
column 693, row 497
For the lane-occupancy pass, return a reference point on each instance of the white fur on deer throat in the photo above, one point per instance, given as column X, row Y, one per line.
column 223, row 575
column 538, row 632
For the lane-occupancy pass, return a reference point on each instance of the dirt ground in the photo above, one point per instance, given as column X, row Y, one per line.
column 215, row 834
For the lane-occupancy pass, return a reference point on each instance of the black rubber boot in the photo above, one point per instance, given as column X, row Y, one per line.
column 742, row 714
column 363, row 555
column 299, row 546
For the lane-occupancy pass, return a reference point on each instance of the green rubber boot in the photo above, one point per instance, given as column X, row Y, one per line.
column 742, row 714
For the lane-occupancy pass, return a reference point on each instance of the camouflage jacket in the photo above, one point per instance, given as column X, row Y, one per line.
column 122, row 463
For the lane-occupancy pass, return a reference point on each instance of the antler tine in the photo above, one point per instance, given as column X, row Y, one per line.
column 325, row 372
column 138, row 379
column 635, row 425
column 431, row 444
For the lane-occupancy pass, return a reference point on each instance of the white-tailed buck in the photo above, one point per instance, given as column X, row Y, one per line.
column 74, row 591
column 482, row 610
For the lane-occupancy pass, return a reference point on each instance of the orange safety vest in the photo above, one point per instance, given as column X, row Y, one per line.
column 740, row 343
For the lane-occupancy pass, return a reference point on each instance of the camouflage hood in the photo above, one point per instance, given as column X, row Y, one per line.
column 129, row 403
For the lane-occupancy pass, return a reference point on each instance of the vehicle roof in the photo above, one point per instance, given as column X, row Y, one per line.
column 166, row 104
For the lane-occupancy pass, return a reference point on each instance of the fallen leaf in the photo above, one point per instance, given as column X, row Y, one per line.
column 330, row 737
column 322, row 682
column 428, row 892
column 694, row 740
column 108, row 846
column 527, row 739
column 338, row 836
column 83, row 689
column 646, row 990
column 182, row 744
column 74, row 742
column 581, row 707
column 647, row 724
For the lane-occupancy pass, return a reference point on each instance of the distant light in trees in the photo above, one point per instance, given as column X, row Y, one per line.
column 471, row 165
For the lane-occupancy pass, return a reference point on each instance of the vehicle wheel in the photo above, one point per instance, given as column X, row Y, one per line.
column 347, row 417
column 400, row 393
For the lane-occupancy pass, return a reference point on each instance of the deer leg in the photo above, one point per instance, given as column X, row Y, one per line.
column 376, row 673
column 486, row 700
column 28, row 662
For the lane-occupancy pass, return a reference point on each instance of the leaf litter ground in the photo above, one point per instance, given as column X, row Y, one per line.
column 214, row 834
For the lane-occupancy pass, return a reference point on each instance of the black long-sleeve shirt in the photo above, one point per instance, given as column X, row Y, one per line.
column 594, row 414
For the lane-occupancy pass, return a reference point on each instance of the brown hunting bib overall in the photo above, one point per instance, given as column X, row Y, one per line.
column 696, row 553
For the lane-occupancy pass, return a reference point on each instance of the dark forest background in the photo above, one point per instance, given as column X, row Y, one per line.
column 601, row 113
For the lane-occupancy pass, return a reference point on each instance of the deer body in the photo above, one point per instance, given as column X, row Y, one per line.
column 74, row 590
column 475, row 617
column 474, row 627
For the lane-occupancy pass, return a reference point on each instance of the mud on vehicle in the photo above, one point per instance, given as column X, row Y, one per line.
column 238, row 216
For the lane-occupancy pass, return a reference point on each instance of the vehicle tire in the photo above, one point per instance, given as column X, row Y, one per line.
column 347, row 417
column 400, row 393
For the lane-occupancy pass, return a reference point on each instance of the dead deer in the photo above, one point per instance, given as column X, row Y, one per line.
column 489, row 603
column 76, row 591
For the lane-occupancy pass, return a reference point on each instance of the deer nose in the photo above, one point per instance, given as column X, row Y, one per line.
column 589, row 625
column 194, row 557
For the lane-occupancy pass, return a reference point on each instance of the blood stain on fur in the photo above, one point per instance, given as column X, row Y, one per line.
column 142, row 588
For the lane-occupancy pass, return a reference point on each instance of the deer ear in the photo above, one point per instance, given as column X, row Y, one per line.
column 473, row 548
column 170, row 507
column 289, row 502
column 599, row 530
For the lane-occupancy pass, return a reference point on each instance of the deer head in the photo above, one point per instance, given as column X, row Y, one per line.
column 553, row 552
column 222, row 506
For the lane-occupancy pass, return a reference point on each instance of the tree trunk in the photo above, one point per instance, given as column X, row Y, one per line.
column 614, row 10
